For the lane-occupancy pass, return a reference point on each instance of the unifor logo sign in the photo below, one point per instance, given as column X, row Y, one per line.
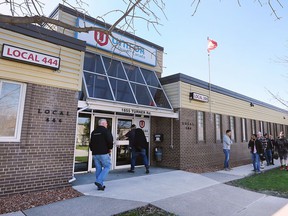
column 118, row 44
column 141, row 123
column 101, row 38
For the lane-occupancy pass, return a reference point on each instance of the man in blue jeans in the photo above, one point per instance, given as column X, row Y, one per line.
column 227, row 142
column 138, row 146
column 101, row 144
column 256, row 150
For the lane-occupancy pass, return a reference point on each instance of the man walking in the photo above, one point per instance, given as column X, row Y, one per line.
column 138, row 146
column 101, row 143
column 227, row 142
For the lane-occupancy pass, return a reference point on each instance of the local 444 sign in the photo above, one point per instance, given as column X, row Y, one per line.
column 29, row 56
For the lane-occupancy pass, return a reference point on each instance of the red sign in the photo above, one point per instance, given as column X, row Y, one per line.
column 101, row 38
column 20, row 54
column 141, row 123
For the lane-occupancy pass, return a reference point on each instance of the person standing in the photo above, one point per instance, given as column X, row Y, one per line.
column 227, row 142
column 264, row 146
column 273, row 147
column 101, row 144
column 138, row 146
column 255, row 147
column 281, row 146
column 268, row 151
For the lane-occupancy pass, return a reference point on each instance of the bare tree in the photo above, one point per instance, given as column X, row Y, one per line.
column 31, row 11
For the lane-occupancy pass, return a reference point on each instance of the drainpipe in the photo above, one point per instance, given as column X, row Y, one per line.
column 78, row 111
column 171, row 132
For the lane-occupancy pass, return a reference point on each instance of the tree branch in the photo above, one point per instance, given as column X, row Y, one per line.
column 123, row 16
column 42, row 19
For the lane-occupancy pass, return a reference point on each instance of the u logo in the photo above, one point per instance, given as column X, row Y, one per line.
column 101, row 38
column 142, row 123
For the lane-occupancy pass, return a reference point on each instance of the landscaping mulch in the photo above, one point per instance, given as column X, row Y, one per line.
column 18, row 202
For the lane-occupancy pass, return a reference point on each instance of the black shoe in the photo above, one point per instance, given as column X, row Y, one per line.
column 147, row 171
column 101, row 188
column 131, row 171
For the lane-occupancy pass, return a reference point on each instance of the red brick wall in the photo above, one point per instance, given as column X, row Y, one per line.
column 43, row 158
column 187, row 152
column 171, row 151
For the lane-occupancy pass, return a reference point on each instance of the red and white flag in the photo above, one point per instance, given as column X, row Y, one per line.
column 211, row 45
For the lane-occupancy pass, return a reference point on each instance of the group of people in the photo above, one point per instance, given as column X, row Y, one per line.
column 101, row 144
column 262, row 148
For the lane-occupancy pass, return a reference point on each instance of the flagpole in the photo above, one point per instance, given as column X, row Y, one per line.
column 209, row 83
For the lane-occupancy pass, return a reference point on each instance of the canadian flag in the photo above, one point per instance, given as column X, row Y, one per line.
column 211, row 45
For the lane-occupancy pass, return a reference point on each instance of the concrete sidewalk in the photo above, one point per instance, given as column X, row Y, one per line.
column 175, row 191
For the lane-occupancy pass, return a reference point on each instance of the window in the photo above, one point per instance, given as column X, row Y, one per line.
column 253, row 126
column 281, row 127
column 218, row 127
column 159, row 97
column 200, row 124
column 261, row 127
column 232, row 127
column 269, row 128
column 276, row 132
column 122, row 91
column 244, row 131
column 12, row 97
column 113, row 80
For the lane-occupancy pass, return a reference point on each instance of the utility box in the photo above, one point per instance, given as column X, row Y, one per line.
column 158, row 152
column 158, row 137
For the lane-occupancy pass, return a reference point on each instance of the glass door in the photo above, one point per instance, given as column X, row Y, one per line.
column 82, row 143
column 122, row 154
column 110, row 127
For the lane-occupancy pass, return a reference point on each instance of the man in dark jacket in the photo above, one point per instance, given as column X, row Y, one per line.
column 256, row 150
column 138, row 146
column 282, row 149
column 268, row 151
column 101, row 143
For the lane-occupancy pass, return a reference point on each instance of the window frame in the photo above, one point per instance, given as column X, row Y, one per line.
column 219, row 137
column 232, row 127
column 201, row 137
column 261, row 125
column 244, row 129
column 253, row 126
column 20, row 112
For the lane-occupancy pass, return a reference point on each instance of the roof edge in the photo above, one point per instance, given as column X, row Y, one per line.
column 202, row 84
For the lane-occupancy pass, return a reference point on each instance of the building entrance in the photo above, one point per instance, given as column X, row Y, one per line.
column 118, row 126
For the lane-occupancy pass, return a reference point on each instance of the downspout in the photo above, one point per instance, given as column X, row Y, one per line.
column 171, row 132
column 78, row 111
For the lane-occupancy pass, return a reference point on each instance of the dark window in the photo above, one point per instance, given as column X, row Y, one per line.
column 142, row 86
column 122, row 91
column 133, row 73
column 142, row 95
column 159, row 97
column 93, row 63
column 114, row 68
column 97, row 86
column 150, row 78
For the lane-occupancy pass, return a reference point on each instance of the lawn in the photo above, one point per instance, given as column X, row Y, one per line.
column 272, row 182
column 80, row 147
column 81, row 159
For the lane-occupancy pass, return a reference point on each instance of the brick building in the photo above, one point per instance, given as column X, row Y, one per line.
column 205, row 113
column 48, row 110
column 40, row 76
